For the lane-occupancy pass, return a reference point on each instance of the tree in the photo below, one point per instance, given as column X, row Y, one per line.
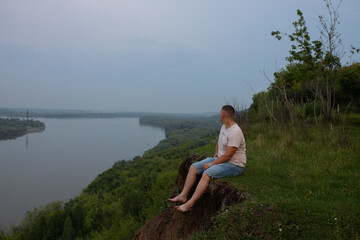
column 321, row 58
column 303, row 50
column 2, row 234
column 304, row 53
column 68, row 230
column 331, row 40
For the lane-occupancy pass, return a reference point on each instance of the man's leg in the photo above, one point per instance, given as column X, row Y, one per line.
column 216, row 171
column 189, row 183
column 200, row 189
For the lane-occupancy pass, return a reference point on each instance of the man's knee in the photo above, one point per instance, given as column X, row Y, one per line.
column 193, row 170
column 205, row 176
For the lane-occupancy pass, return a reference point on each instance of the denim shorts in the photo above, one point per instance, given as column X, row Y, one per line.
column 221, row 170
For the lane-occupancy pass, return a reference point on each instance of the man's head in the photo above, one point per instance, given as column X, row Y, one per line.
column 228, row 112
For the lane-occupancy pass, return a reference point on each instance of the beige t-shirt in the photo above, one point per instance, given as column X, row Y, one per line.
column 233, row 137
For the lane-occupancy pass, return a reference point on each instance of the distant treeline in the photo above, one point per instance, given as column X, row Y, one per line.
column 181, row 130
column 13, row 128
column 8, row 112
column 170, row 123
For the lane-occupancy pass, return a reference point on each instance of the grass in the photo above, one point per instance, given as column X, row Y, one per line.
column 300, row 183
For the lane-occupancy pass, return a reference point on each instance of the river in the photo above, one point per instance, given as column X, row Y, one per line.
column 60, row 162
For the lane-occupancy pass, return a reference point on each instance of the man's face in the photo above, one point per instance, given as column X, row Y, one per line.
column 222, row 114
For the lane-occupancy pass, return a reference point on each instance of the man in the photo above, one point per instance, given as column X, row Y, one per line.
column 229, row 160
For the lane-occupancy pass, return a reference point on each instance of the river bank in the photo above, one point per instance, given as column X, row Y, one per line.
column 14, row 128
column 35, row 129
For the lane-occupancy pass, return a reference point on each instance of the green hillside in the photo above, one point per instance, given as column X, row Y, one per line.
column 301, row 182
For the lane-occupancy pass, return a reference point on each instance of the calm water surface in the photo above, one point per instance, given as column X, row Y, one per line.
column 61, row 161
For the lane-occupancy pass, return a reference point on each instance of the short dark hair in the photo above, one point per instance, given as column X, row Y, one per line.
column 229, row 110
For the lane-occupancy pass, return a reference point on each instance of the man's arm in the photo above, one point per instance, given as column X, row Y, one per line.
column 230, row 151
column 216, row 151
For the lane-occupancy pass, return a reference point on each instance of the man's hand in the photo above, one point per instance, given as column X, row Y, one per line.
column 205, row 166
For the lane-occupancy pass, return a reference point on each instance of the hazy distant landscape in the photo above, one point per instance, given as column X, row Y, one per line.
column 56, row 113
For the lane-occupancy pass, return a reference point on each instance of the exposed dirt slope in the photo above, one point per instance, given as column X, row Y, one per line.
column 171, row 224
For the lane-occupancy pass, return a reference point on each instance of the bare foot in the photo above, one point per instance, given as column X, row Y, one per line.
column 178, row 198
column 183, row 208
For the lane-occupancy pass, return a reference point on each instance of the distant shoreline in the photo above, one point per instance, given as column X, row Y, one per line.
column 13, row 128
column 36, row 113
column 15, row 135
column 34, row 129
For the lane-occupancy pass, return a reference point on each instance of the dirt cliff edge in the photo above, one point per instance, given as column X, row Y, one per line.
column 172, row 224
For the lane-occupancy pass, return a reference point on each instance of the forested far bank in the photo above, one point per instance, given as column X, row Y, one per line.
column 39, row 113
column 13, row 128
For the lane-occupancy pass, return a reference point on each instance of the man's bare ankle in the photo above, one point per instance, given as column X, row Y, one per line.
column 179, row 198
column 184, row 208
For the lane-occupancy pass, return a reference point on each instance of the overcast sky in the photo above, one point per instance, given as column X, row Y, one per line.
column 148, row 55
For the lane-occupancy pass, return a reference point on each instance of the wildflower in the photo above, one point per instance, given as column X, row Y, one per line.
column 280, row 229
